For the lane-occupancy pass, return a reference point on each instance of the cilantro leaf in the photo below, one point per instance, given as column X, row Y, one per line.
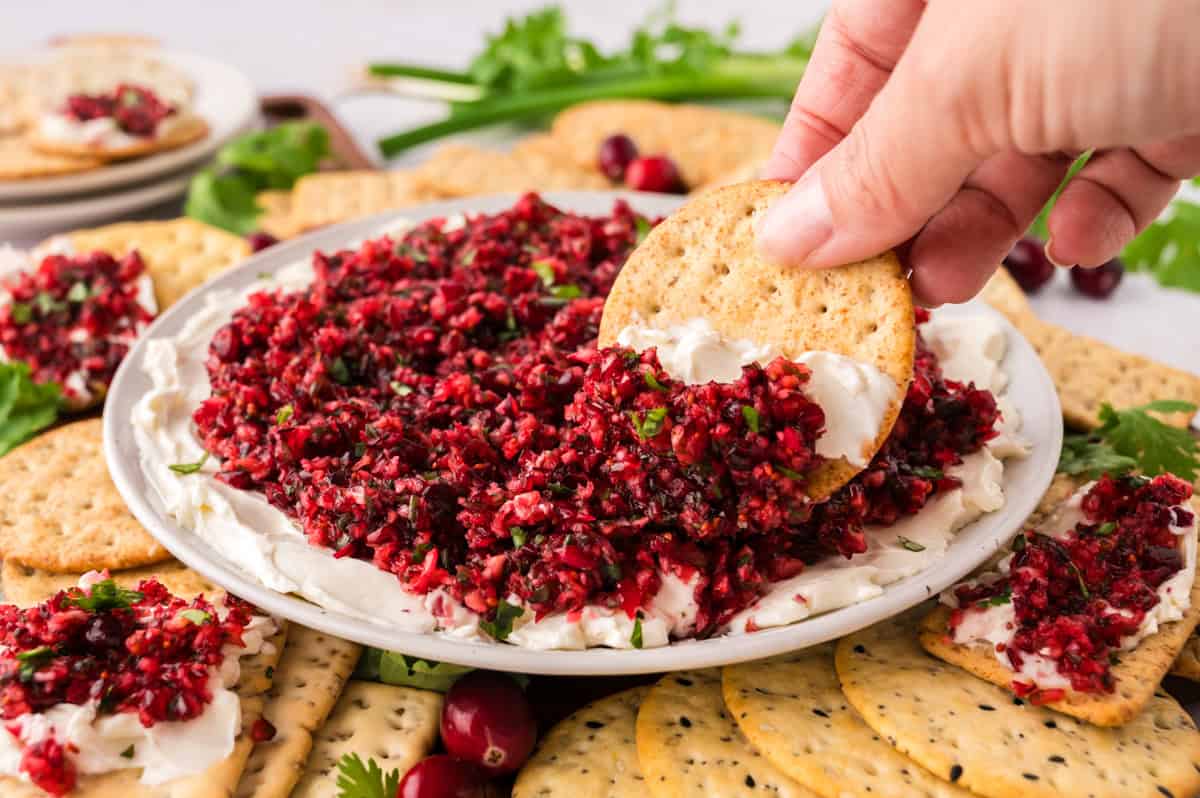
column 545, row 271
column 567, row 291
column 1090, row 457
column 501, row 627
column 1169, row 248
column 643, row 227
column 1158, row 448
column 635, row 639
column 31, row 660
column 910, row 545
column 26, row 408
column 189, row 468
column 998, row 600
column 78, row 292
column 284, row 414
column 928, row 472
column 653, row 383
column 399, row 388
column 102, row 596
column 518, row 536
column 129, row 752
column 195, row 616
column 751, row 415
column 358, row 780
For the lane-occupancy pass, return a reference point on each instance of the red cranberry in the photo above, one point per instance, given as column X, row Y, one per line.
column 654, row 173
column 616, row 153
column 487, row 720
column 1028, row 264
column 259, row 241
column 1100, row 282
column 262, row 731
column 442, row 776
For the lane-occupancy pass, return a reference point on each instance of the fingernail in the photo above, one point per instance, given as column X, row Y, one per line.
column 798, row 223
column 1048, row 249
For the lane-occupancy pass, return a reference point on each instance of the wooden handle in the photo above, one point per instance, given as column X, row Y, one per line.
column 279, row 107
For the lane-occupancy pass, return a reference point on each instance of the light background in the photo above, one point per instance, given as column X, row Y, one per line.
column 316, row 47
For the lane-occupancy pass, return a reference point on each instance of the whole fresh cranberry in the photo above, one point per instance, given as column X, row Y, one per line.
column 259, row 241
column 262, row 731
column 443, row 776
column 487, row 720
column 615, row 155
column 1028, row 264
column 1100, row 282
column 654, row 173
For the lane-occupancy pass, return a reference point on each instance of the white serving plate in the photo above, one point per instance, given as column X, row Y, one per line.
column 1024, row 480
column 54, row 216
column 224, row 97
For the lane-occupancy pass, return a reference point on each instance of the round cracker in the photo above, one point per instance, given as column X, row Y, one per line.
column 61, row 511
column 20, row 161
column 702, row 261
column 793, row 711
column 189, row 128
column 981, row 737
column 690, row 747
column 592, row 752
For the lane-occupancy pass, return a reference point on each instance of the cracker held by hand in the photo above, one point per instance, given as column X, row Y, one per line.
column 61, row 511
column 180, row 254
column 702, row 262
column 592, row 752
column 980, row 737
column 307, row 683
column 395, row 726
column 792, row 710
column 689, row 745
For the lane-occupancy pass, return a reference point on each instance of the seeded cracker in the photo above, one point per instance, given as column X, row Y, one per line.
column 19, row 161
column 690, row 747
column 793, row 711
column 976, row 734
column 307, row 683
column 26, row 586
column 395, row 726
column 216, row 782
column 1137, row 675
column 61, row 511
column 180, row 254
column 702, row 261
column 460, row 170
column 591, row 753
column 276, row 217
column 327, row 198
column 705, row 143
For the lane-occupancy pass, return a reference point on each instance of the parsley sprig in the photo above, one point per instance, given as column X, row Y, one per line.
column 26, row 408
column 1133, row 439
column 102, row 596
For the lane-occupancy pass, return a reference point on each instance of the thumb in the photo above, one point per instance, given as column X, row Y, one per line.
column 900, row 164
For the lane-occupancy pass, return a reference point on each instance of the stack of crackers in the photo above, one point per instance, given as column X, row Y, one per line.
column 711, row 147
column 83, row 65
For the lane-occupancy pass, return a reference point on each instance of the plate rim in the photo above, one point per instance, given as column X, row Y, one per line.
column 971, row 547
column 97, row 181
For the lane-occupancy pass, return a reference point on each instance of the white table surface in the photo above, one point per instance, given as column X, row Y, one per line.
column 316, row 47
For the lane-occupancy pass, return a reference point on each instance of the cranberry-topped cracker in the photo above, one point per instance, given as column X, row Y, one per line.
column 104, row 689
column 73, row 318
column 1087, row 613
column 126, row 122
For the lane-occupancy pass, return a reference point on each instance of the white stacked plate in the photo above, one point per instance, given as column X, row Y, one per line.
column 224, row 97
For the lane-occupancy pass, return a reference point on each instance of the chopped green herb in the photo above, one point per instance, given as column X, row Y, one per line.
column 102, row 596
column 284, row 414
column 635, row 639
column 31, row 660
column 79, row 292
column 545, row 270
column 400, row 388
column 789, row 473
column 928, row 472
column 195, row 616
column 25, row 406
column 501, row 627
column 518, row 536
column 998, row 600
column 189, row 468
column 650, row 424
column 568, row 291
column 128, row 752
column 751, row 415
column 1133, row 439
column 1019, row 542
column 339, row 371
column 653, row 383
column 47, row 304
column 613, row 571
column 910, row 545
column 643, row 228
column 21, row 313
column 1107, row 528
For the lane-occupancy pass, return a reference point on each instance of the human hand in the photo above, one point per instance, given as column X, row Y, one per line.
column 944, row 127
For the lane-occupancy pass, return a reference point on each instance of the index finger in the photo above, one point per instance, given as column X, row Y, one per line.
column 856, row 50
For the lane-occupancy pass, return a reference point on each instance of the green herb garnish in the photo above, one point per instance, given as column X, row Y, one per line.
column 910, row 545
column 129, row 752
column 399, row 388
column 787, row 472
column 358, row 780
column 643, row 228
column 518, row 536
column 649, row 424
column 195, row 616
column 47, row 304
column 102, row 596
column 284, row 414
column 189, row 468
column 21, row 313
column 545, row 271
column 26, row 407
column 31, row 660
column 998, row 600
column 635, row 639
column 1107, row 528
column 568, row 291
column 927, row 472
column 1133, row 439
column 751, row 415
column 501, row 627
column 339, row 371
column 78, row 292
column 653, row 383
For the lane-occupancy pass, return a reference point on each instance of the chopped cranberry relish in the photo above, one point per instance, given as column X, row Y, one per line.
column 142, row 651
column 436, row 404
column 1076, row 597
column 73, row 319
column 136, row 110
